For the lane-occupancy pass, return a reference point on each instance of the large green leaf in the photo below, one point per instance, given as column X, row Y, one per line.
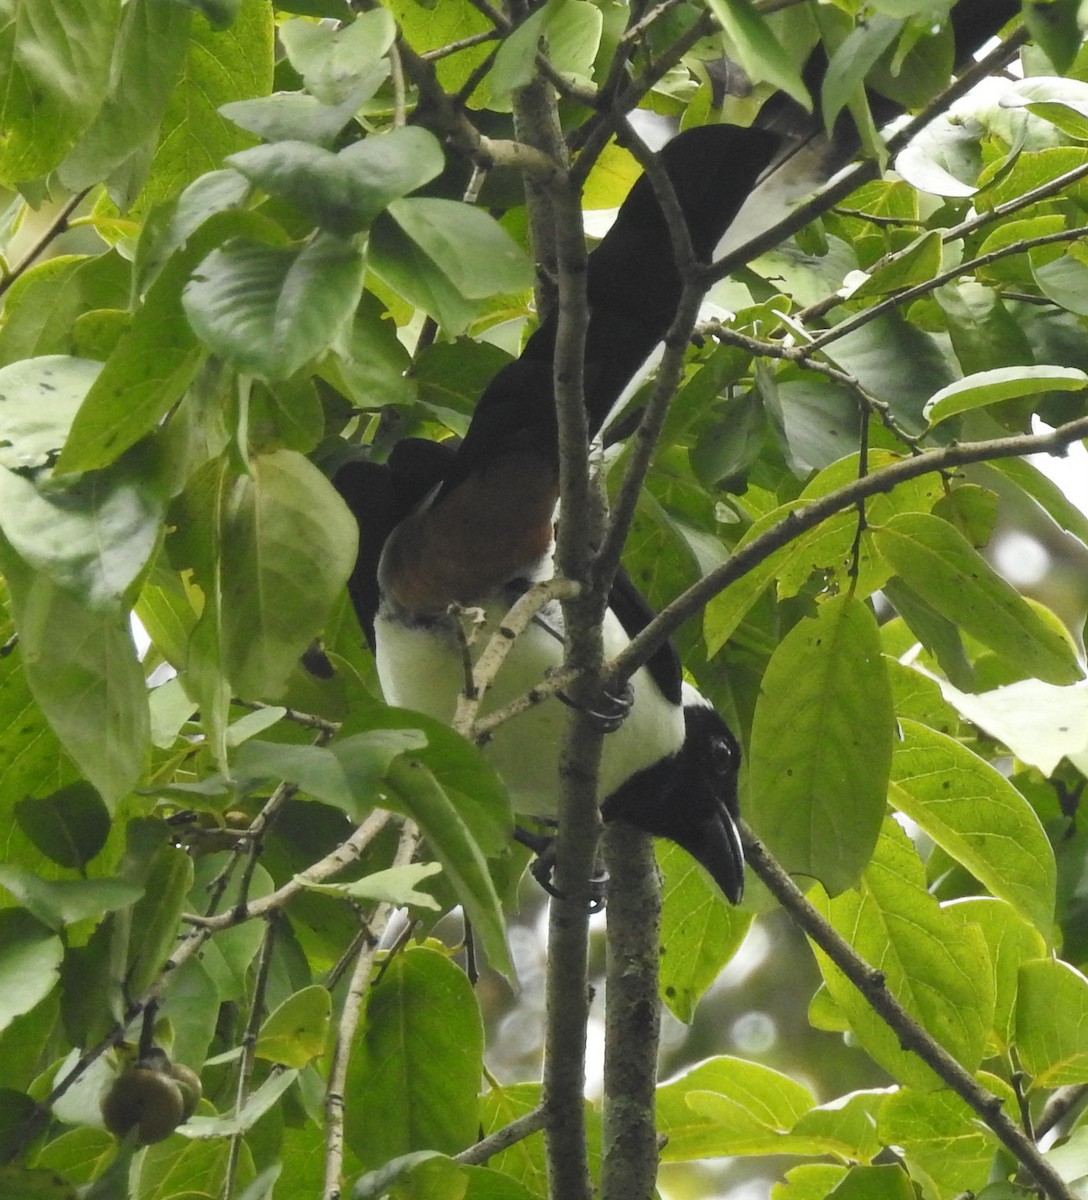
column 700, row 933
column 415, row 1073
column 937, row 562
column 1052, row 1023
column 147, row 56
column 153, row 363
column 936, row 967
column 288, row 546
column 296, row 1031
column 728, row 1106
column 44, row 303
column 1011, row 941
column 347, row 774
column 54, row 68
column 758, row 50
column 60, row 902
column 1002, row 383
column 219, row 67
column 30, row 955
column 975, row 815
column 92, row 535
column 569, row 31
column 944, row 1139
column 82, row 669
column 821, row 745
column 39, row 398
column 414, row 790
column 335, row 62
column 344, row 192
column 269, row 310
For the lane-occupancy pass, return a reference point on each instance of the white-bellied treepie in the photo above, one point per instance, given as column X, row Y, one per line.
column 472, row 526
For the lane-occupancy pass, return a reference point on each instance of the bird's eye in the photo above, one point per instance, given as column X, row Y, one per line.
column 722, row 756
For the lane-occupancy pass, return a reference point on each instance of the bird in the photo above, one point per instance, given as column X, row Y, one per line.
column 444, row 528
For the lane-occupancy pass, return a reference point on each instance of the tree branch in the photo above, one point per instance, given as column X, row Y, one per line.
column 750, row 555
column 632, row 1015
column 870, row 982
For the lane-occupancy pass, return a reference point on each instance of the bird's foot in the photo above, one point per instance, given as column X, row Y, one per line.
column 543, row 867
column 610, row 710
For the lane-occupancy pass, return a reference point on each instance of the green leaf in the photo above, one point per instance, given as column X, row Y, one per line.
column 889, row 1182
column 938, row 563
column 1040, row 723
column 852, row 61
column 346, row 774
column 153, row 925
column 471, row 249
column 845, row 1127
column 1011, row 942
column 148, row 54
column 60, row 902
column 156, row 357
column 700, row 933
column 82, row 668
column 943, row 1139
column 294, row 116
column 257, row 1103
column 38, row 400
column 758, row 50
column 396, row 885
column 1052, row 1023
column 975, row 815
column 415, row 1073
column 462, row 770
column 336, row 63
column 44, row 303
column 70, row 826
column 1054, row 28
column 728, row 1106
column 296, row 1032
column 1002, row 383
column 30, row 956
column 221, row 14
column 1063, row 279
column 821, row 745
column 936, row 967
column 54, row 70
column 914, row 264
column 289, row 544
column 568, row 31
column 415, row 791
column 270, row 310
column 344, row 192
column 91, row 535
column 193, row 137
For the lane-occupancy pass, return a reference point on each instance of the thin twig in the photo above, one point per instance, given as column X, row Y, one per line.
column 56, row 227
column 501, row 642
column 921, row 289
column 348, row 1024
column 502, row 1139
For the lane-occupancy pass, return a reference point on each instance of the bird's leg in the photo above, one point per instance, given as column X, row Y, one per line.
column 542, row 867
column 609, row 710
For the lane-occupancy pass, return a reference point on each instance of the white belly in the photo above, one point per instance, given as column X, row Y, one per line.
column 420, row 668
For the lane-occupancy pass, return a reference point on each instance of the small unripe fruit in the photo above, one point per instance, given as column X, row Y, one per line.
column 191, row 1091
column 144, row 1100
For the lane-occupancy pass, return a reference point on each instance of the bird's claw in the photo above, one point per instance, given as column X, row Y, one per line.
column 610, row 711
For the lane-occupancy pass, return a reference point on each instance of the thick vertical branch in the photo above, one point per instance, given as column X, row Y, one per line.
column 579, row 818
column 632, row 1016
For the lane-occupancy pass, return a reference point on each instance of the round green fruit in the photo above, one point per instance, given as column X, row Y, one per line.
column 146, row 1101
